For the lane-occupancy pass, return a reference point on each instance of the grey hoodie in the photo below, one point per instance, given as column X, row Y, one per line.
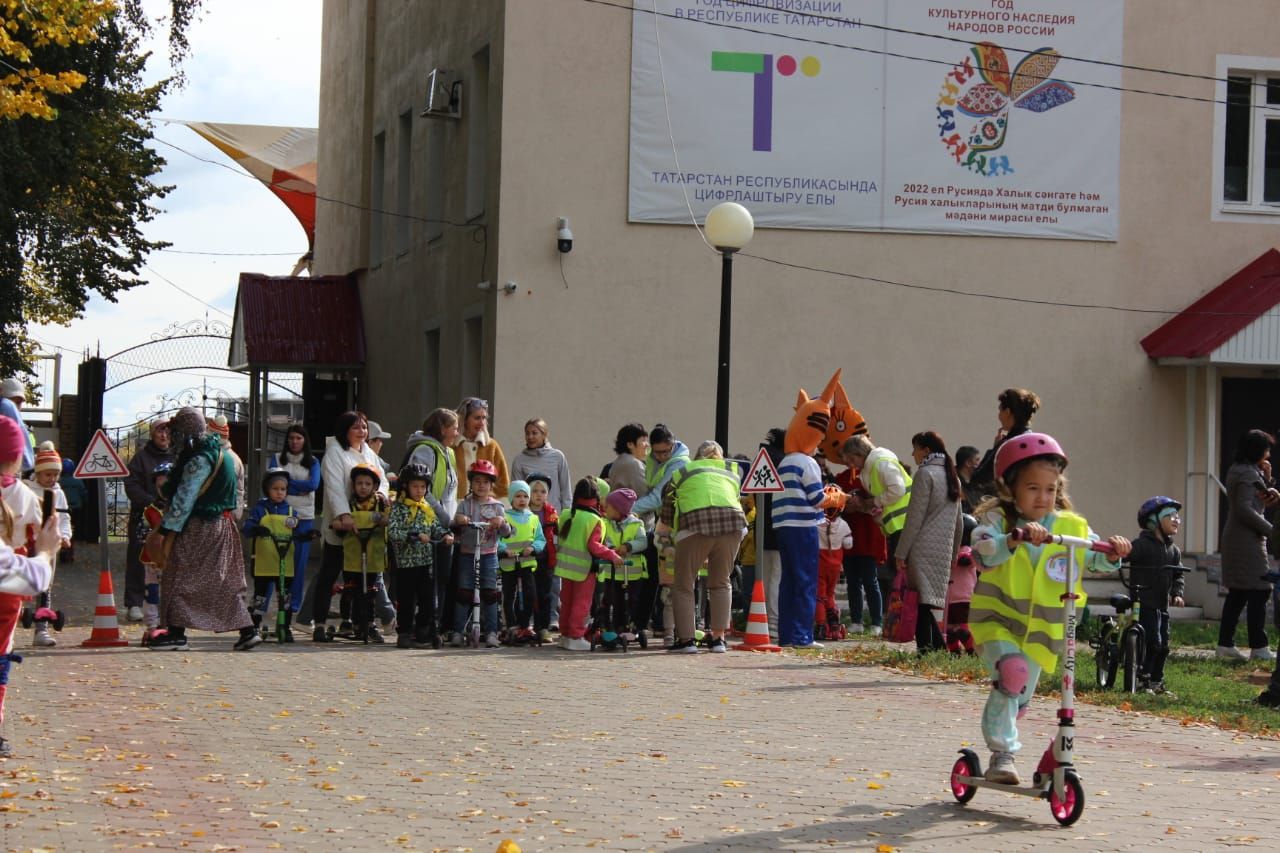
column 424, row 454
column 551, row 462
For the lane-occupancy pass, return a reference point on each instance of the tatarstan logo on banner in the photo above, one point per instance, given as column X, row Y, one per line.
column 763, row 68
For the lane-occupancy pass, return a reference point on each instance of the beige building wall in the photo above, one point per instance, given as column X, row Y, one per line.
column 625, row 326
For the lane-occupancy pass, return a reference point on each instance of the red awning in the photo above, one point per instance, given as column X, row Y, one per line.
column 1220, row 314
column 293, row 323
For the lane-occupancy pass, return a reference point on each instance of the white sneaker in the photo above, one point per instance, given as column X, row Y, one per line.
column 1002, row 770
column 43, row 637
column 876, row 630
column 668, row 642
column 856, row 628
column 1231, row 653
column 491, row 640
column 577, row 644
column 135, row 614
column 456, row 641
column 1263, row 653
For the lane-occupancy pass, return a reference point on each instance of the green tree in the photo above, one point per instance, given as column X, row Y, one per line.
column 77, row 187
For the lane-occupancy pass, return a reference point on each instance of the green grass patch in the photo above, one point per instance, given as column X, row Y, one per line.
column 1208, row 691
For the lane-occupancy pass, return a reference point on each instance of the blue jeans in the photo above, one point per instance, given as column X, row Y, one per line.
column 489, row 595
column 860, row 577
column 798, row 587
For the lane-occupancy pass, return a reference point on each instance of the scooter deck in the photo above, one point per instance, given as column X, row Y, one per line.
column 1040, row 791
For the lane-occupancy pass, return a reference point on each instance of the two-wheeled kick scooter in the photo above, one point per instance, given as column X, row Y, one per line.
column 1055, row 779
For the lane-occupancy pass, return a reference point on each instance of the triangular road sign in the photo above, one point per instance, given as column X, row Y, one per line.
column 100, row 460
column 763, row 476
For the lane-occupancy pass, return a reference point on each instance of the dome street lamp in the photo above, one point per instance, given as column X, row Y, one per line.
column 728, row 227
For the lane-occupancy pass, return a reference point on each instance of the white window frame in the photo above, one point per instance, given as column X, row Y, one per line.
column 1235, row 211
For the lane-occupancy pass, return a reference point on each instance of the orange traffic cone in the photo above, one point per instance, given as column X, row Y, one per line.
column 106, row 629
column 757, row 639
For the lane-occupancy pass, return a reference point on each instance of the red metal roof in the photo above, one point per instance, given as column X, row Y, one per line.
column 1220, row 314
column 297, row 322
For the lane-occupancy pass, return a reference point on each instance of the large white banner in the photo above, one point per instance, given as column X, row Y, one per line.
column 996, row 117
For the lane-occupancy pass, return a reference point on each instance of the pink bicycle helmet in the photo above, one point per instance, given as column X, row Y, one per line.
column 1029, row 445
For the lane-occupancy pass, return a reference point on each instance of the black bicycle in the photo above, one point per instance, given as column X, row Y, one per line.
column 1123, row 641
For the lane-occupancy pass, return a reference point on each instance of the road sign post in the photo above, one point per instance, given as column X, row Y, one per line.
column 101, row 462
column 762, row 478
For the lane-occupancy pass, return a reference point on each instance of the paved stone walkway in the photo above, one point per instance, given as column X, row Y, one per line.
column 347, row 747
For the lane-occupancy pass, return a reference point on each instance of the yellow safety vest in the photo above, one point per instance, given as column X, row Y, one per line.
column 616, row 534
column 705, row 483
column 377, row 544
column 522, row 536
column 266, row 558
column 573, row 560
column 894, row 516
column 1022, row 604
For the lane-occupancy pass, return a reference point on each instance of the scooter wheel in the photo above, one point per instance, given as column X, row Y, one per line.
column 436, row 641
column 28, row 617
column 1067, row 810
column 966, row 765
column 473, row 637
column 642, row 640
column 59, row 621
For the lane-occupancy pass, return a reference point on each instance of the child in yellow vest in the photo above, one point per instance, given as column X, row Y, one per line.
column 581, row 544
column 1016, row 612
column 624, row 532
column 415, row 530
column 368, row 513
column 518, row 562
column 271, row 516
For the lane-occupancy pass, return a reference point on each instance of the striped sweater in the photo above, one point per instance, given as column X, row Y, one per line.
column 798, row 503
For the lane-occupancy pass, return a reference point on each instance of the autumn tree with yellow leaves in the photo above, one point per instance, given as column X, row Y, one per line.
column 33, row 24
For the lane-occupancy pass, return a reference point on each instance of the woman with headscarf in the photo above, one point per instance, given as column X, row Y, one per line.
column 197, row 545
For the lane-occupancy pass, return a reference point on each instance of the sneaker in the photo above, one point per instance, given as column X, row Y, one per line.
column 1002, row 770
column 684, row 647
column 247, row 642
column 1231, row 653
column 577, row 644
column 1263, row 653
column 1157, row 688
column 404, row 641
column 346, row 631
column 6, row 751
column 554, row 628
column 668, row 642
column 169, row 643
column 876, row 630
column 456, row 640
column 135, row 614
column 321, row 635
column 812, row 644
column 374, row 635
column 1269, row 699
column 717, row 646
column 856, row 628
column 43, row 637
column 491, row 640
column 545, row 635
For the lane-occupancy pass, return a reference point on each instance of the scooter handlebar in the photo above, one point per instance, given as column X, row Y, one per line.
column 1102, row 546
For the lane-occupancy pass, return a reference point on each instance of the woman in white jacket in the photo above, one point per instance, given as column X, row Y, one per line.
column 345, row 449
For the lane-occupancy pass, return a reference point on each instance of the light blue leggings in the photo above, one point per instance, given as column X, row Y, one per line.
column 1000, row 716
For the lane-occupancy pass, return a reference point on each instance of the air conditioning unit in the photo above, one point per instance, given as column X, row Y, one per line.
column 444, row 95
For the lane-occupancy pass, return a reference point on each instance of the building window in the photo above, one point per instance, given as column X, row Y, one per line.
column 404, row 185
column 435, row 181
column 477, row 133
column 377, row 181
column 1247, row 142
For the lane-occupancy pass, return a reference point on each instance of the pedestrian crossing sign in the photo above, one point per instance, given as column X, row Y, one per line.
column 763, row 476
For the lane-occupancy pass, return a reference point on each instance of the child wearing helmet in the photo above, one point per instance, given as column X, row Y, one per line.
column 480, row 506
column 151, row 518
column 272, row 515
column 414, row 530
column 368, row 513
column 1015, row 615
column 1153, row 550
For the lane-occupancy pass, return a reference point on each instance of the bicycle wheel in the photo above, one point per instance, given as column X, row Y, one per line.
column 1131, row 653
column 1107, row 660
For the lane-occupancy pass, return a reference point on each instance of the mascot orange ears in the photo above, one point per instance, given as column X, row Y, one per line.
column 845, row 421
column 813, row 415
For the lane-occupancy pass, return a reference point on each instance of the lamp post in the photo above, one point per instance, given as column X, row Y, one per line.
column 729, row 227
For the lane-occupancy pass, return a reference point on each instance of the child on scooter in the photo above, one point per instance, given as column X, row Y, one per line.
column 151, row 518
column 274, row 516
column 1152, row 551
column 368, row 513
column 518, row 561
column 45, row 478
column 623, row 532
column 581, row 545
column 479, row 506
column 546, row 616
column 1016, row 611
column 414, row 530
column 834, row 540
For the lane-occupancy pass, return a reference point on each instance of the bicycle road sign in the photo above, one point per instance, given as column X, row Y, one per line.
column 763, row 476
column 100, row 459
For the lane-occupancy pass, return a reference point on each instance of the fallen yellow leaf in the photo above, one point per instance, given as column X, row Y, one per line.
column 733, row 783
column 874, row 785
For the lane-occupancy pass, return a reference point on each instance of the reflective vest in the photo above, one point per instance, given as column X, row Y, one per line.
column 573, row 560
column 705, row 483
column 266, row 557
column 893, row 516
column 1022, row 604
column 522, row 536
column 444, row 460
column 616, row 534
column 377, row 547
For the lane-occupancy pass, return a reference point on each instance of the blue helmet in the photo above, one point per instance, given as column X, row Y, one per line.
column 162, row 469
column 1152, row 507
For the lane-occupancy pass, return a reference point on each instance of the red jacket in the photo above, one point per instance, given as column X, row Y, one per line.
column 868, row 538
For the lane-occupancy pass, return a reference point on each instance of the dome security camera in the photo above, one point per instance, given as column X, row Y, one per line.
column 564, row 237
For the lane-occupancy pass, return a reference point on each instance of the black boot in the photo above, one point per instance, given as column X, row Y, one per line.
column 249, row 637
